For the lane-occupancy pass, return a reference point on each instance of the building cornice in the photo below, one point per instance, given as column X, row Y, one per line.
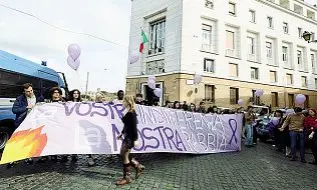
column 274, row 5
column 236, row 80
column 306, row 4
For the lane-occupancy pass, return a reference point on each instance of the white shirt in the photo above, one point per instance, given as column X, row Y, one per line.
column 32, row 101
column 116, row 101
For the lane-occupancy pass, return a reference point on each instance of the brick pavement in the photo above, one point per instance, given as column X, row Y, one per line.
column 256, row 168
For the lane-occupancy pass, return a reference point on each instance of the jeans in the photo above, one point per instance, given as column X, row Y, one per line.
column 314, row 146
column 249, row 130
column 293, row 135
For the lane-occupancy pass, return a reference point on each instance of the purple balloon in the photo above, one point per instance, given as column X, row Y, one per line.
column 300, row 98
column 73, row 64
column 134, row 57
column 158, row 92
column 240, row 102
column 259, row 92
column 74, row 51
column 197, row 78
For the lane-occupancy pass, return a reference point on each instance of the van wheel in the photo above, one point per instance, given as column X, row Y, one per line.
column 5, row 134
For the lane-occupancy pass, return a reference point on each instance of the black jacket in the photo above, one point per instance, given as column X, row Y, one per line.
column 130, row 126
column 19, row 108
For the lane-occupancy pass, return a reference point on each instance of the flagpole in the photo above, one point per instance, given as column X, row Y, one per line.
column 141, row 55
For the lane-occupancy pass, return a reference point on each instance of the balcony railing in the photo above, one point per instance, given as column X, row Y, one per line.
column 252, row 57
column 271, row 61
column 230, row 52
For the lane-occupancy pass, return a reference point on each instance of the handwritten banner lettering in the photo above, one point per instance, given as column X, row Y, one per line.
column 92, row 128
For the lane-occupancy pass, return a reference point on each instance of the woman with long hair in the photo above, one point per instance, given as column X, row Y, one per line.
column 55, row 95
column 176, row 105
column 74, row 96
column 130, row 137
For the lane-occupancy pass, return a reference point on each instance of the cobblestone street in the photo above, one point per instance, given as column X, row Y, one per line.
column 256, row 168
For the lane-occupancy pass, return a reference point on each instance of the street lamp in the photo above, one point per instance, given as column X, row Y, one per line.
column 307, row 37
column 87, row 81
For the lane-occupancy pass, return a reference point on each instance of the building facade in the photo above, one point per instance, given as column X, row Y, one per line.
column 238, row 46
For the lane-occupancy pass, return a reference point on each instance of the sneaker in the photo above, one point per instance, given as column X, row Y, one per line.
column 91, row 162
column 74, row 158
column 64, row 159
column 303, row 161
column 54, row 158
column 29, row 161
column 10, row 165
column 43, row 159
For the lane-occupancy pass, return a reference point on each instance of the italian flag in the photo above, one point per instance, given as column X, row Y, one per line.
column 144, row 41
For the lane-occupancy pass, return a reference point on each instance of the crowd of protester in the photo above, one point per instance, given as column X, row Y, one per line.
column 288, row 130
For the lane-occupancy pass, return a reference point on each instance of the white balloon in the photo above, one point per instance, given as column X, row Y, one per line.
column 197, row 78
column 151, row 84
column 158, row 92
column 134, row 57
column 152, row 78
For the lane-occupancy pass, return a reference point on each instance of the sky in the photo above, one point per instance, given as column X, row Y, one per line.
column 29, row 38
column 313, row 2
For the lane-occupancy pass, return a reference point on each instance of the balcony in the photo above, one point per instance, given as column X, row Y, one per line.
column 230, row 52
column 285, row 4
column 206, row 47
column 252, row 57
column 271, row 62
column 311, row 14
column 298, row 9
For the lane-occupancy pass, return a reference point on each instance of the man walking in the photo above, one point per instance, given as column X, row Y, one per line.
column 296, row 128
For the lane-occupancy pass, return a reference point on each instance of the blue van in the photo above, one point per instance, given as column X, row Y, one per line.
column 14, row 72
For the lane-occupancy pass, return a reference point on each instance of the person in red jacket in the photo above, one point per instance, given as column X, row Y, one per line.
column 310, row 121
column 310, row 124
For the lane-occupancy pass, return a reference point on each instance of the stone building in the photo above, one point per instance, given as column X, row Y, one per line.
column 238, row 46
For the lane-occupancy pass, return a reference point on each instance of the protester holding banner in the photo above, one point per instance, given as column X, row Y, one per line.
column 176, row 105
column 201, row 108
column 130, row 139
column 74, row 96
column 192, row 107
column 249, row 119
column 119, row 99
column 55, row 96
column 22, row 107
column 139, row 99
